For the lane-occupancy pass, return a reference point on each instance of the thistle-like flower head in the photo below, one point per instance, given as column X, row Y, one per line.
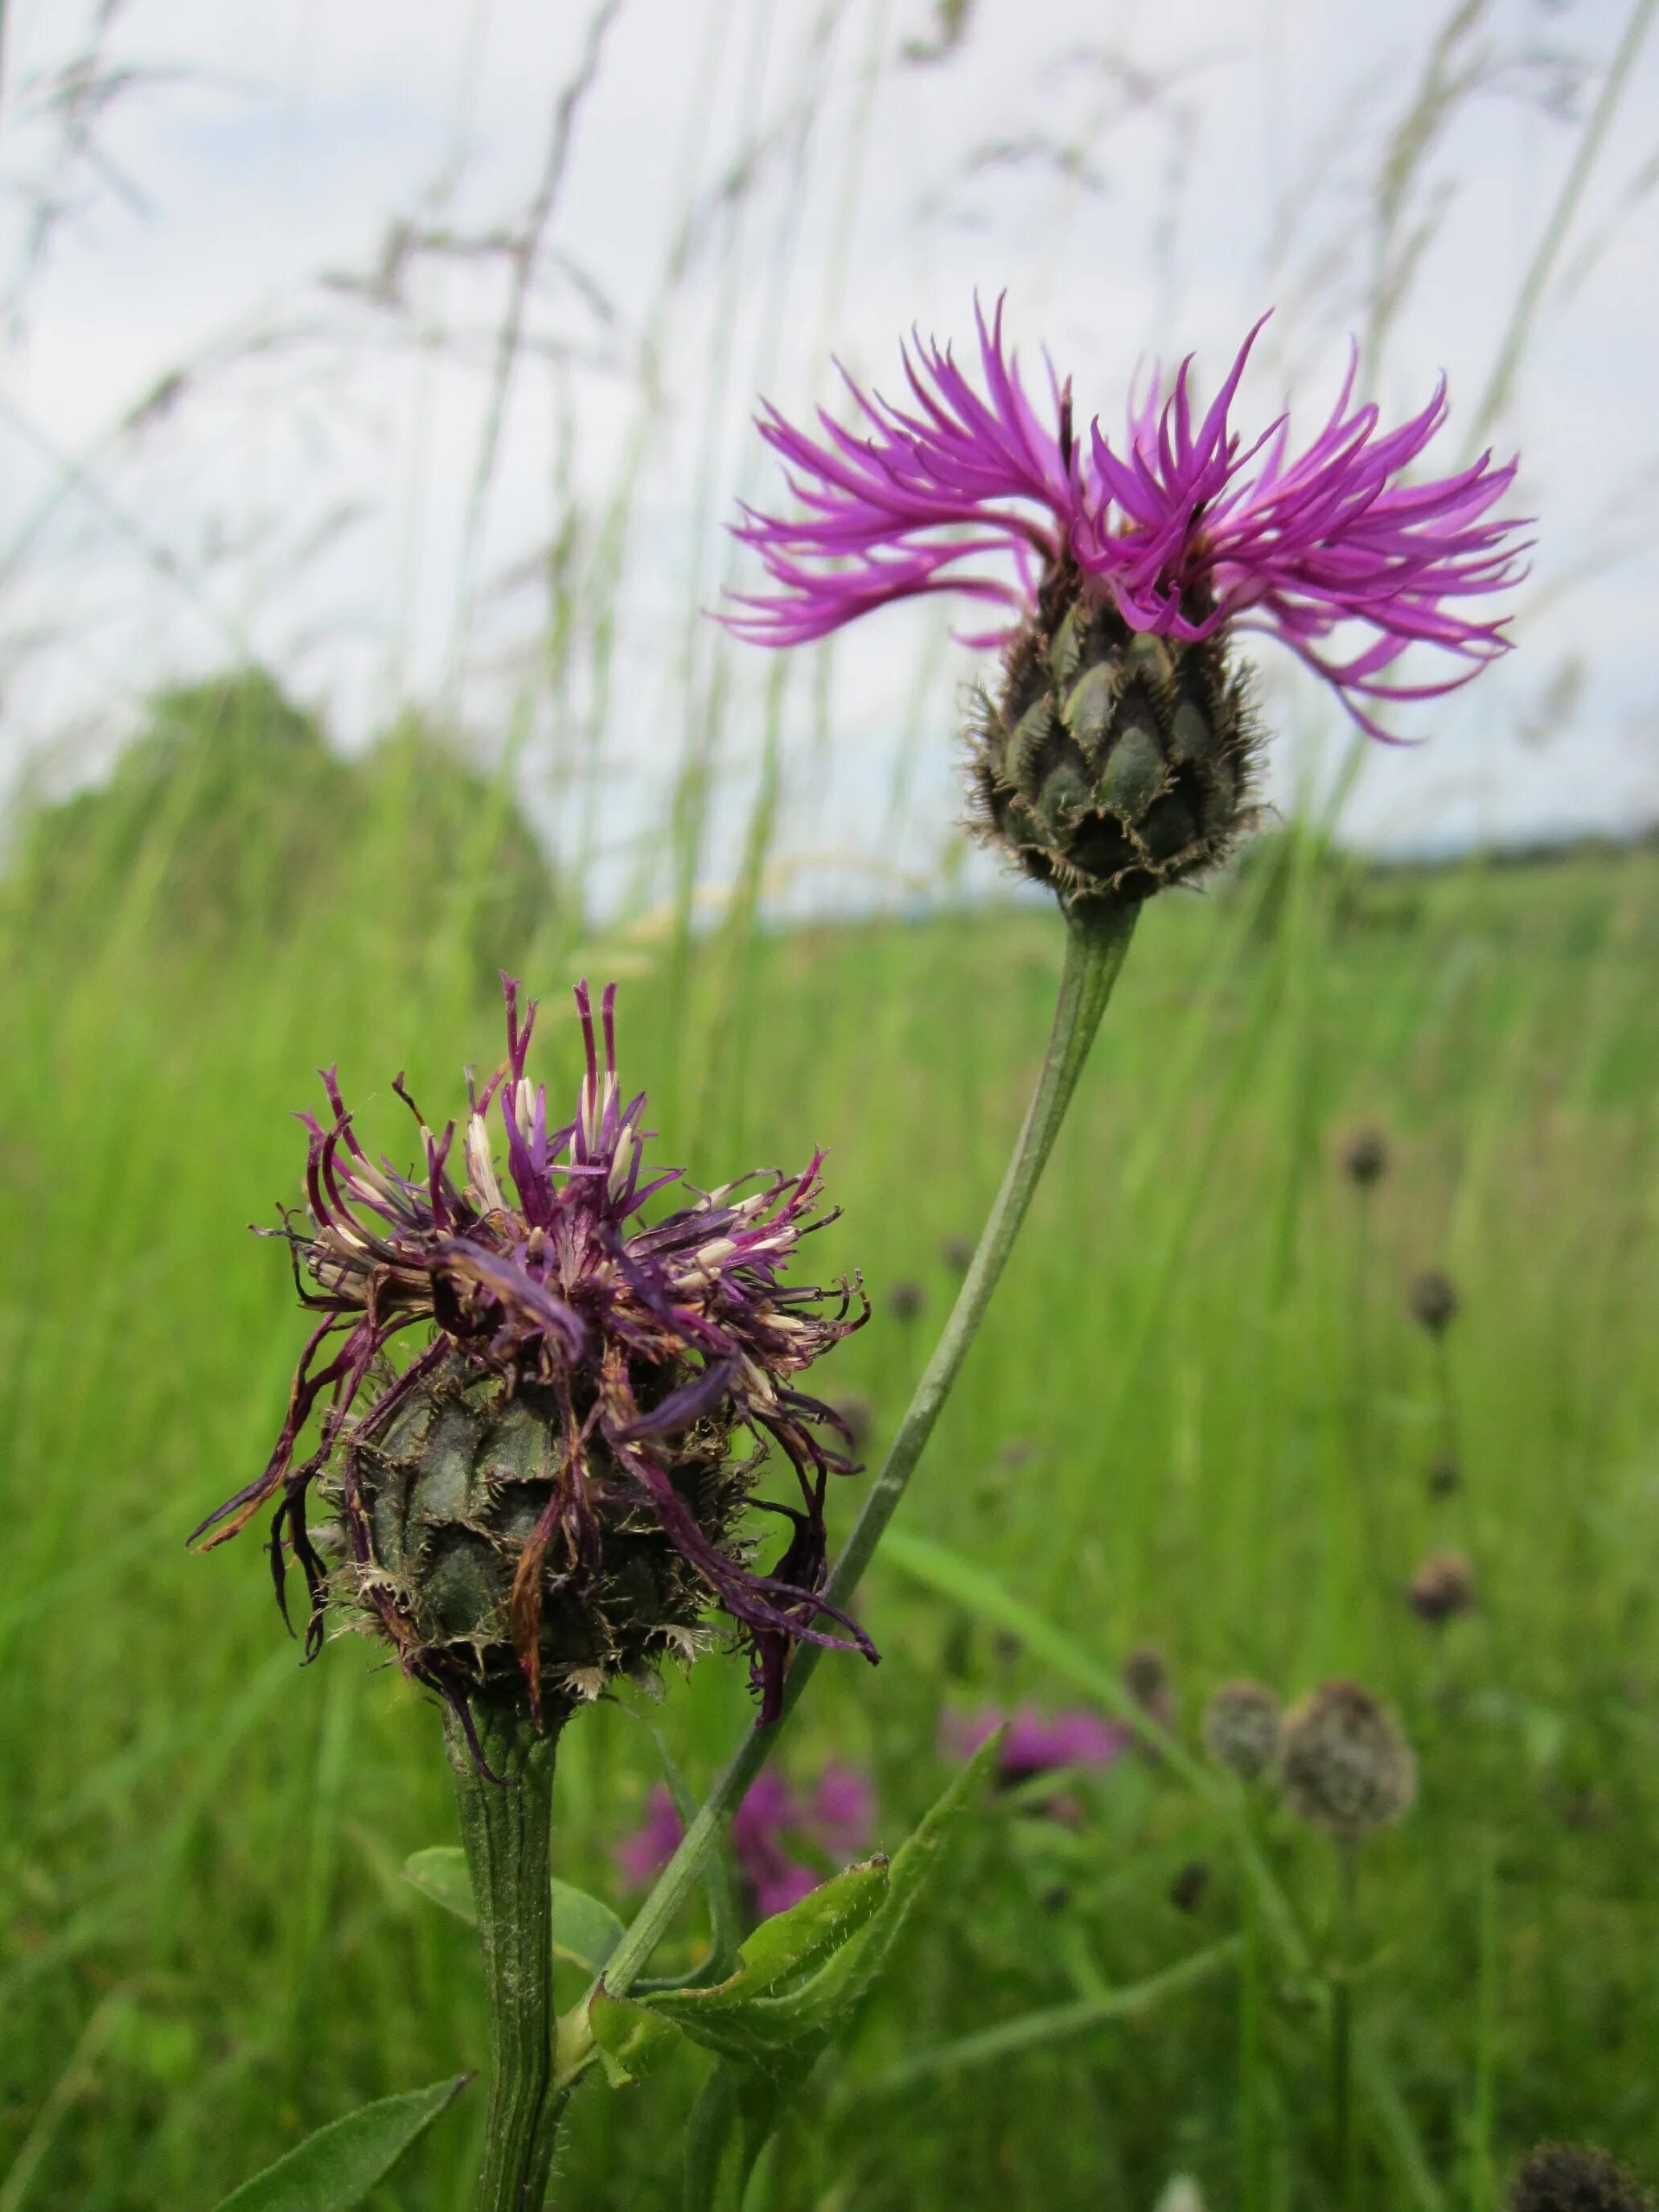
column 1107, row 771
column 545, row 1494
column 1189, row 528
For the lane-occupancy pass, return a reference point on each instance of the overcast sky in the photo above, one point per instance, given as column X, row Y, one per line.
column 202, row 207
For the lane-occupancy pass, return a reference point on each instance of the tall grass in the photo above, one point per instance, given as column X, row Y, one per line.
column 1164, row 1434
column 208, row 1945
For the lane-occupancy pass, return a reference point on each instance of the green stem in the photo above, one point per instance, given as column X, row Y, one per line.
column 507, row 1828
column 1342, row 2023
column 1095, row 950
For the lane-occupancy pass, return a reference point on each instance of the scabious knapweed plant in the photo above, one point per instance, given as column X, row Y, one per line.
column 546, row 1496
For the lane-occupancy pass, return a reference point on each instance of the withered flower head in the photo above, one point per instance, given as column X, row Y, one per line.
column 546, row 1495
column 1566, row 2177
column 1241, row 1728
column 1115, row 756
column 1345, row 1766
column 1442, row 1588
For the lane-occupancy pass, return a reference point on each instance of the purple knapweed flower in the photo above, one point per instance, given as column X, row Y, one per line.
column 546, row 1495
column 1115, row 757
column 1036, row 1743
column 834, row 1820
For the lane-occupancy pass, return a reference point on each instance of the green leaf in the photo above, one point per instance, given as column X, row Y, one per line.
column 802, row 1973
column 631, row 2038
column 751, row 2016
column 585, row 1931
column 441, row 1874
column 338, row 2166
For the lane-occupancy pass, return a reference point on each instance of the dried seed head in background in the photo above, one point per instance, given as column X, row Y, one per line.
column 1241, row 1730
column 1442, row 1588
column 1344, row 1766
column 1565, row 2177
column 1366, row 1157
column 1148, row 1683
column 546, row 1495
column 1444, row 1473
column 1434, row 1300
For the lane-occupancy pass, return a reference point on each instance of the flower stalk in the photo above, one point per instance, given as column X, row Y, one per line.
column 1096, row 942
column 506, row 1832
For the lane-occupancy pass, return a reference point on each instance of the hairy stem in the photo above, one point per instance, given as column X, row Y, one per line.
column 507, row 1828
column 1095, row 950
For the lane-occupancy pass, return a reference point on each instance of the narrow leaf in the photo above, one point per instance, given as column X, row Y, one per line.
column 585, row 1931
column 631, row 2038
column 1055, row 2023
column 338, row 2166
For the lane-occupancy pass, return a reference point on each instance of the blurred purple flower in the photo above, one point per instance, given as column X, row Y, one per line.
column 833, row 1819
column 1036, row 1744
column 1187, row 526
column 641, row 1857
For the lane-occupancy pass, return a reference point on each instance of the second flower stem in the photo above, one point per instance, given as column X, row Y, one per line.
column 1095, row 948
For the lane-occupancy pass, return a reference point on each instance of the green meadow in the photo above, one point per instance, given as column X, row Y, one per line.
column 1200, row 1419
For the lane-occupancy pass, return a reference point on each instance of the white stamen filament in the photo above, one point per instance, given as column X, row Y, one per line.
column 481, row 1168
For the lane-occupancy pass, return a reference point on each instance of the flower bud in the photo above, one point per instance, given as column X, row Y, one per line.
column 1563, row 2178
column 1111, row 761
column 1241, row 1730
column 1345, row 1766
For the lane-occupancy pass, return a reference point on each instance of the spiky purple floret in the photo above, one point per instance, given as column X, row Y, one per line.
column 562, row 1284
column 1187, row 528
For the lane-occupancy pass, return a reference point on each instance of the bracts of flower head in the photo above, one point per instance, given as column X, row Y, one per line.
column 1115, row 756
column 546, row 1496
